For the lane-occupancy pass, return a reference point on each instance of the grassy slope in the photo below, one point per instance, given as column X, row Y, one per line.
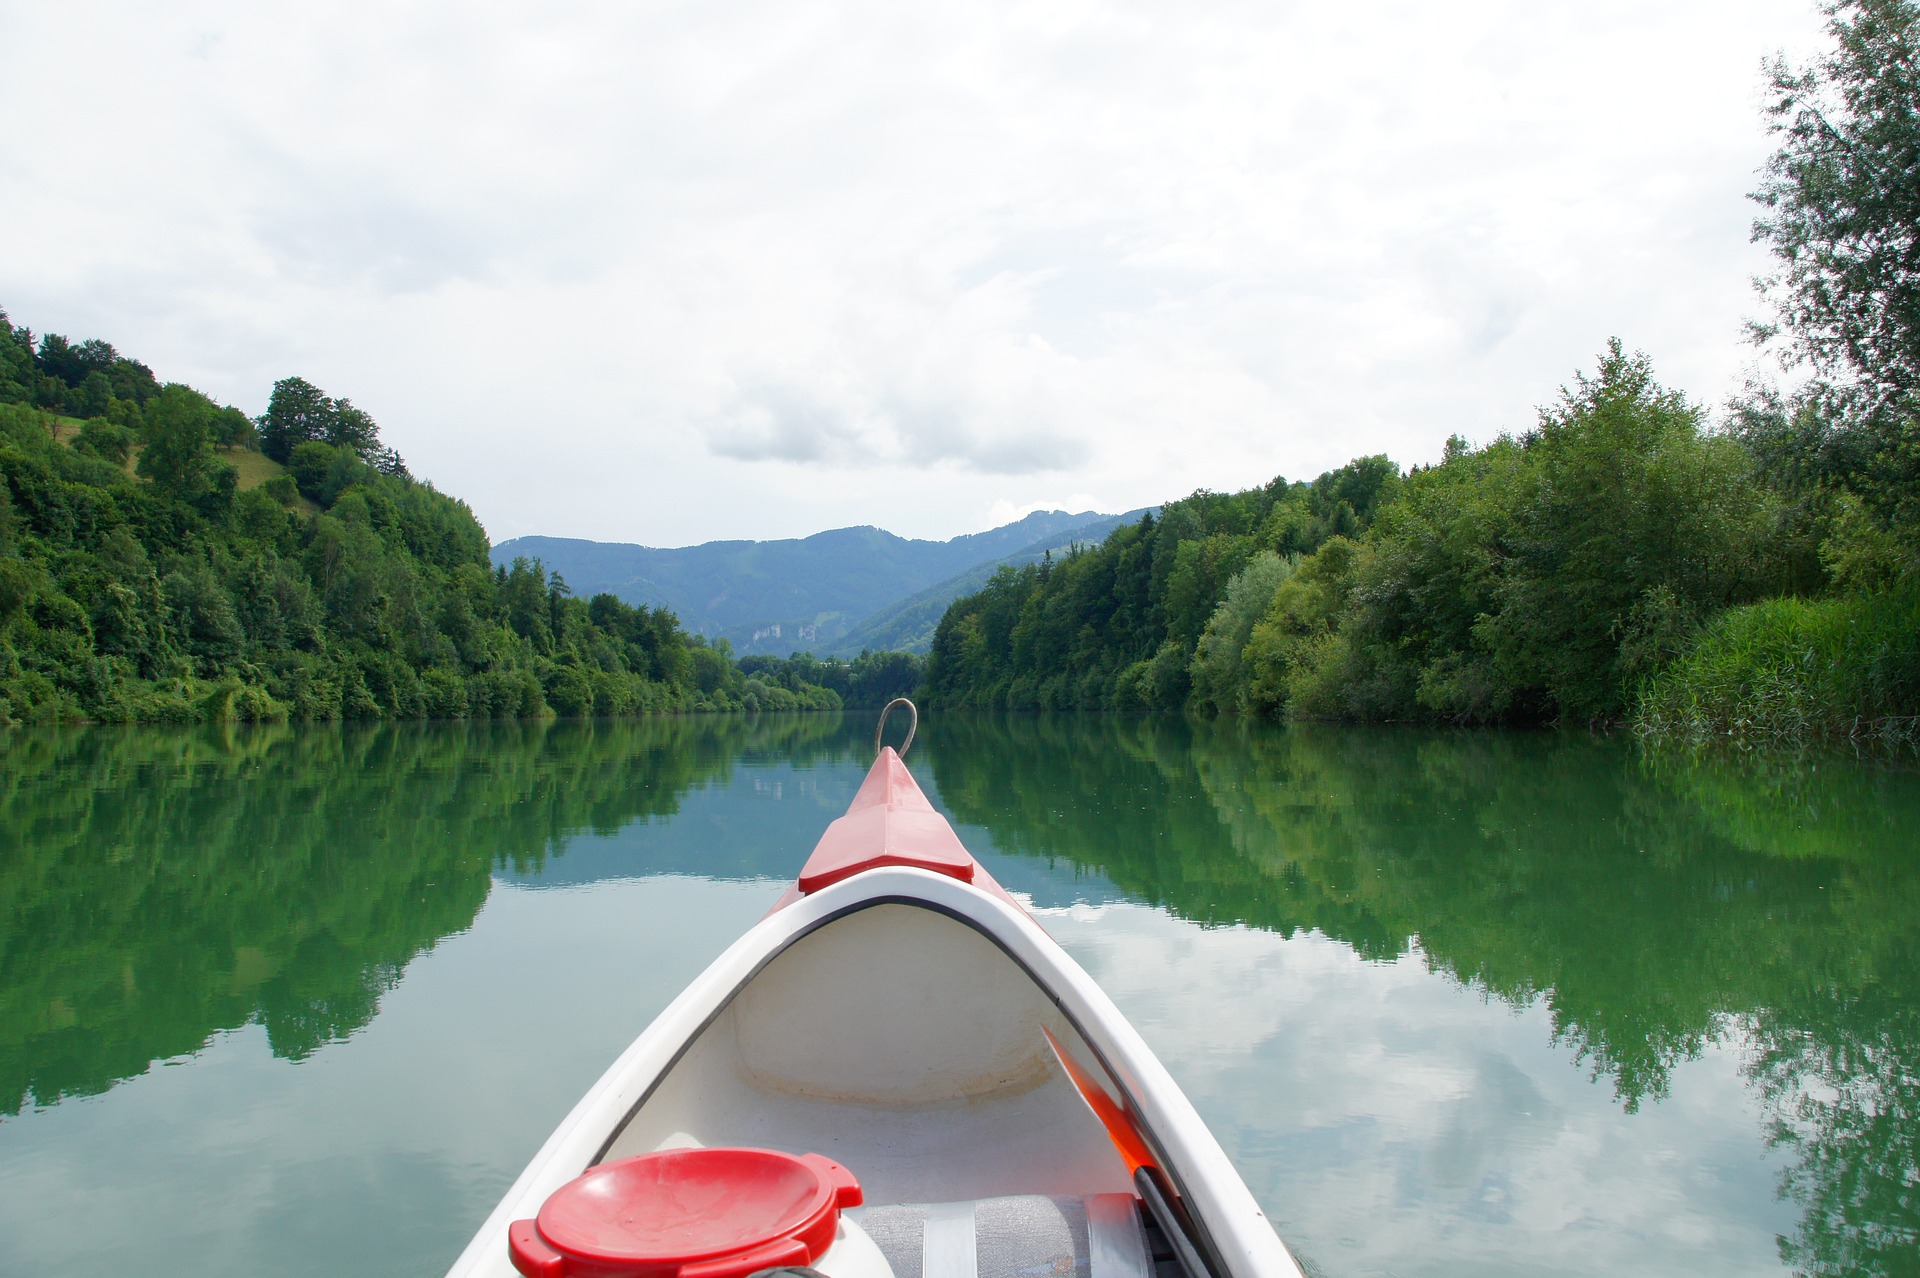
column 251, row 468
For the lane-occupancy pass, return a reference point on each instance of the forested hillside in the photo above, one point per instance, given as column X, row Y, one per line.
column 1617, row 559
column 164, row 557
column 1117, row 626
column 1623, row 559
column 907, row 624
column 804, row 593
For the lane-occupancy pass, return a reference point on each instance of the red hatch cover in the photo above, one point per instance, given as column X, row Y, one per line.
column 889, row 822
column 686, row 1213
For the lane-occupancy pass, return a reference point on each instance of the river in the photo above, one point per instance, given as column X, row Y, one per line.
column 304, row 999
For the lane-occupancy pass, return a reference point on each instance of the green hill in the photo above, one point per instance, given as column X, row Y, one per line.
column 908, row 624
column 778, row 597
column 163, row 557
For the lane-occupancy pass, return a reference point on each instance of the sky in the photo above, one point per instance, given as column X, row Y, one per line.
column 672, row 272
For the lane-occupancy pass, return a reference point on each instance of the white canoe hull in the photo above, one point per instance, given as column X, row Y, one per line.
column 892, row 1022
column 905, row 1017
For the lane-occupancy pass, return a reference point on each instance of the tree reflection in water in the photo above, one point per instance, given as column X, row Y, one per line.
column 160, row 886
column 1654, row 903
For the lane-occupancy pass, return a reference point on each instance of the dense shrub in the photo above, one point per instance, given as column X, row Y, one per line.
column 1793, row 669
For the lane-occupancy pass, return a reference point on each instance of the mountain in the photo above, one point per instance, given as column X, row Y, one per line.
column 907, row 625
column 783, row 596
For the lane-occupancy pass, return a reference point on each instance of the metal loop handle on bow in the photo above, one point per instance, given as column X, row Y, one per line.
column 913, row 724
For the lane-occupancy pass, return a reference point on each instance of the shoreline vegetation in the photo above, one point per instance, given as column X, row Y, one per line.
column 172, row 560
column 1620, row 564
column 1627, row 561
column 1623, row 562
column 164, row 558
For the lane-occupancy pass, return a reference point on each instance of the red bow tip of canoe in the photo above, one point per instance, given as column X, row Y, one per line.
column 889, row 822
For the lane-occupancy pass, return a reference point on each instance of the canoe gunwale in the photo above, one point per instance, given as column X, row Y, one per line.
column 1222, row 1211
column 846, row 911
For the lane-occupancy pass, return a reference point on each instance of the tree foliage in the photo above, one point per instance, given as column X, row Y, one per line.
column 1840, row 210
column 301, row 414
column 171, row 594
column 1841, row 201
column 1118, row 625
column 1619, row 550
column 1542, row 577
column 867, row 682
column 1537, row 579
column 83, row 379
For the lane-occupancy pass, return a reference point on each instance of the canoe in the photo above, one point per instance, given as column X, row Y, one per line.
column 896, row 1073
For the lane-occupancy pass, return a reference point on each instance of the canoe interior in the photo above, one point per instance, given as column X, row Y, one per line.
column 906, row 1046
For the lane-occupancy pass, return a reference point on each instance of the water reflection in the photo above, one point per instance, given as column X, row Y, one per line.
column 1655, row 904
column 157, row 887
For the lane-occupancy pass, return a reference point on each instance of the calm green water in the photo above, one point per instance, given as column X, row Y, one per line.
column 304, row 1000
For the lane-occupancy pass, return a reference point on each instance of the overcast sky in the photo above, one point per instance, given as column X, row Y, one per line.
column 668, row 272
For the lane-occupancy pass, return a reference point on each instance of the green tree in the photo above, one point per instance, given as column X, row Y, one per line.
column 16, row 362
column 106, row 440
column 71, row 361
column 172, row 596
column 1538, row 579
column 1840, row 206
column 176, row 457
column 1632, row 498
column 203, row 615
column 1841, row 198
column 297, row 411
column 1118, row 624
column 1299, row 623
column 350, row 427
column 1218, row 680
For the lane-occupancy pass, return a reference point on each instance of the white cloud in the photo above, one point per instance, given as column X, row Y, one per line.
column 681, row 271
column 1391, row 1120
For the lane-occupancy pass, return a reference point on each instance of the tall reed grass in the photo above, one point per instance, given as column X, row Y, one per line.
column 1792, row 670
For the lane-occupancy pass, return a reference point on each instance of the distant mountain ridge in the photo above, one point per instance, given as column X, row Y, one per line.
column 807, row 593
column 907, row 625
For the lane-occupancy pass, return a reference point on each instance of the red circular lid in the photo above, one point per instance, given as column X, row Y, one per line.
column 686, row 1213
